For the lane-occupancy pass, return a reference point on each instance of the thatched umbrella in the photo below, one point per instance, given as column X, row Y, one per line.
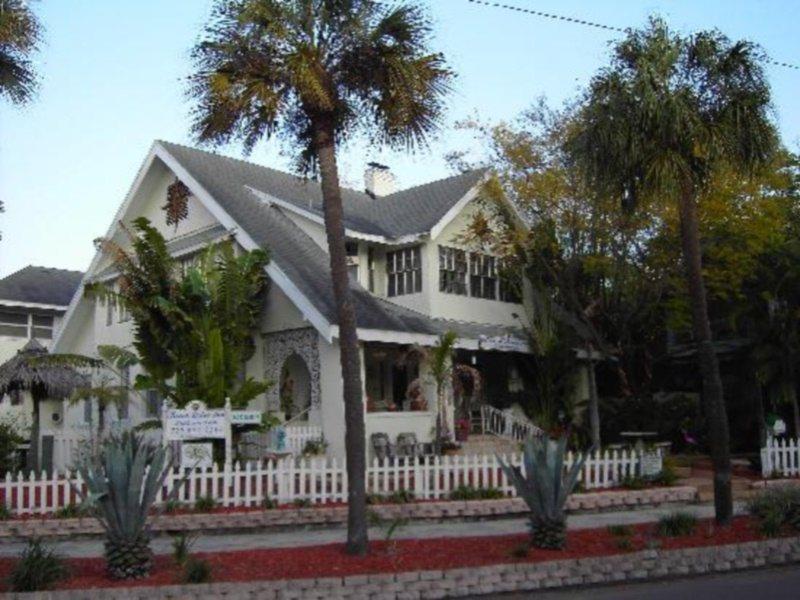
column 34, row 370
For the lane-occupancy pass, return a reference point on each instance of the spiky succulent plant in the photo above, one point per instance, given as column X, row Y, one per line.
column 123, row 481
column 545, row 487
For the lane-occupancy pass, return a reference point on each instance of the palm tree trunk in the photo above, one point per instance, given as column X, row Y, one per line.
column 594, row 402
column 709, row 367
column 355, row 450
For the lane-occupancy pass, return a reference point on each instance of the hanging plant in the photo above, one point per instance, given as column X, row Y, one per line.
column 177, row 206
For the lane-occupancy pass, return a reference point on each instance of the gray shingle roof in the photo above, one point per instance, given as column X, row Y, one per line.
column 300, row 258
column 409, row 211
column 40, row 285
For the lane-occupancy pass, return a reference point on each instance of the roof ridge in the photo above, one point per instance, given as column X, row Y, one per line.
column 436, row 181
column 257, row 165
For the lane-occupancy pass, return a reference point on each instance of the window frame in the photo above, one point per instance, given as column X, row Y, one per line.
column 452, row 279
column 404, row 271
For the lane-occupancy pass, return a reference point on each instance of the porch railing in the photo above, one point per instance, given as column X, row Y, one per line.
column 503, row 424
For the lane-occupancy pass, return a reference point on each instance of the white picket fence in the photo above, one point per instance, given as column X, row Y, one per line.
column 781, row 457
column 316, row 480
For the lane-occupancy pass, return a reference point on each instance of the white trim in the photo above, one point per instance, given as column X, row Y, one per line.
column 20, row 304
column 423, row 339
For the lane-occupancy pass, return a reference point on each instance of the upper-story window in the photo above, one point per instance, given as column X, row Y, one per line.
column 13, row 324
column 483, row 276
column 26, row 325
column 452, row 271
column 404, row 271
column 371, row 269
column 351, row 249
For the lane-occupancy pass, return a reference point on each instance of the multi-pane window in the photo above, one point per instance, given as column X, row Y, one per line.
column 482, row 276
column 26, row 325
column 404, row 271
column 13, row 324
column 452, row 271
column 351, row 249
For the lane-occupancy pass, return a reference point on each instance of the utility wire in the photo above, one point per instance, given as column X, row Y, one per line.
column 585, row 23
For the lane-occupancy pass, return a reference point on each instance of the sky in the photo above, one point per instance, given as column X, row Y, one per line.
column 113, row 81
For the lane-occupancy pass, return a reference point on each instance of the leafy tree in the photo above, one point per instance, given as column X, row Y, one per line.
column 193, row 333
column 313, row 72
column 20, row 36
column 575, row 246
column 655, row 125
column 9, row 440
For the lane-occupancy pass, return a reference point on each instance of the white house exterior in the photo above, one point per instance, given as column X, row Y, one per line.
column 411, row 279
column 33, row 301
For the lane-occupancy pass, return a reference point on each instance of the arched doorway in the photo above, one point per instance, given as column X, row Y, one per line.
column 295, row 388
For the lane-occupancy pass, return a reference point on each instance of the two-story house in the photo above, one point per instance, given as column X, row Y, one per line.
column 33, row 301
column 411, row 277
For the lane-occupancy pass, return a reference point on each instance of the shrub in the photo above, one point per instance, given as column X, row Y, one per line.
column 38, row 568
column 197, row 570
column 9, row 440
column 620, row 530
column 315, row 447
column 667, row 476
column 676, row 524
column 181, row 547
column 625, row 544
column 172, row 506
column 634, row 483
column 302, row 503
column 205, row 504
column 775, row 508
column 269, row 503
column 70, row 511
column 5, row 513
column 467, row 492
column 400, row 497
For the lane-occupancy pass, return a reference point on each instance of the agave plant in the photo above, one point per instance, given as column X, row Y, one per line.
column 123, row 480
column 545, row 487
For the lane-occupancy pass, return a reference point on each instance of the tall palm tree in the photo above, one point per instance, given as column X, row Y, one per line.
column 654, row 125
column 20, row 35
column 313, row 72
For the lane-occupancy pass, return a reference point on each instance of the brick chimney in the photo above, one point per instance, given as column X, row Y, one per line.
column 378, row 180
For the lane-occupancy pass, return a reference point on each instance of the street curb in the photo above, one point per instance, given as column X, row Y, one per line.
column 639, row 566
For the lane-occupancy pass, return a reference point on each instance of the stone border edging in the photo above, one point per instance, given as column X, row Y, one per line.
column 493, row 579
column 335, row 515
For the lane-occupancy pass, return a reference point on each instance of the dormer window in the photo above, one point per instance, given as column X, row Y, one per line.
column 404, row 271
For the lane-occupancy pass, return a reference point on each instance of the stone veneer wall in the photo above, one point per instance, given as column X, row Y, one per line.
column 335, row 515
column 453, row 583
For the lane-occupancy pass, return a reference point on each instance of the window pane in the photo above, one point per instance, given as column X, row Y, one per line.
column 43, row 320
column 43, row 333
column 391, row 290
column 14, row 330
column 13, row 318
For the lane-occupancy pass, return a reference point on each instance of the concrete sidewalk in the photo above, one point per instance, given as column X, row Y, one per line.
column 314, row 536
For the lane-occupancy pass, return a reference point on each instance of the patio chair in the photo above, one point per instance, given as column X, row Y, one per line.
column 382, row 447
column 408, row 446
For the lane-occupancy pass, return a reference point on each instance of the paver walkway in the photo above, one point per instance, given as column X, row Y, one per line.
column 328, row 535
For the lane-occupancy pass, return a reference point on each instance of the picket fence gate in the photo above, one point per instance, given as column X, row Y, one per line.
column 314, row 480
column 780, row 457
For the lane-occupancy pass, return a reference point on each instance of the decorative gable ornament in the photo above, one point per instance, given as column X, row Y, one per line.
column 177, row 206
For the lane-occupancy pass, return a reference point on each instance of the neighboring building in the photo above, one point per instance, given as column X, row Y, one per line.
column 33, row 301
column 412, row 280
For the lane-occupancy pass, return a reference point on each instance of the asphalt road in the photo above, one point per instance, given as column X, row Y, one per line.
column 772, row 584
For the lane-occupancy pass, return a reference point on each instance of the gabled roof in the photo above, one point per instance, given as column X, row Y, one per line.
column 40, row 285
column 411, row 211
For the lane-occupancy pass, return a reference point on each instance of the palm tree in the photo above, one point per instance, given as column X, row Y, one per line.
column 20, row 35
column 313, row 72
column 653, row 127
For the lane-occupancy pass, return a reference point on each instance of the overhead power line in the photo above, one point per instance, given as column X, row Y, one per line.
column 585, row 23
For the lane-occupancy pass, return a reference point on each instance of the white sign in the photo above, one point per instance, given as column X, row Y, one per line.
column 652, row 464
column 194, row 424
column 245, row 417
column 197, row 456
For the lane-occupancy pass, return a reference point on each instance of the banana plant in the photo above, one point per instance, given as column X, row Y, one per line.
column 545, row 487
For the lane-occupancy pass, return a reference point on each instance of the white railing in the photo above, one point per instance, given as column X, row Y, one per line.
column 316, row 480
column 781, row 457
column 504, row 424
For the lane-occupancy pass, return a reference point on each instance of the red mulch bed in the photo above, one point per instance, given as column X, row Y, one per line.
column 402, row 555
